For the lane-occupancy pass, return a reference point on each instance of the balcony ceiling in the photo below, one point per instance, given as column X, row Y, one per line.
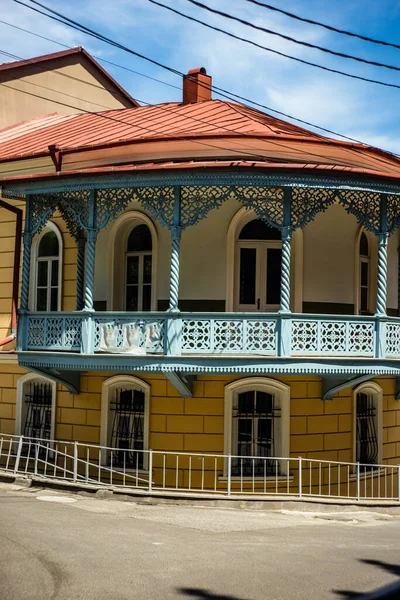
column 171, row 135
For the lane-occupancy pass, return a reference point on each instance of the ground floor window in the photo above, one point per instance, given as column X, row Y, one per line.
column 125, row 410
column 257, row 426
column 36, row 398
column 368, row 424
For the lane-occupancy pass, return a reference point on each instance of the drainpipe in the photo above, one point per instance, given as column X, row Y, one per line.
column 17, row 260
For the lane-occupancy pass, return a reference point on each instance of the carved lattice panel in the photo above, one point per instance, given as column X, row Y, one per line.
column 260, row 337
column 109, row 203
column 159, row 201
column 332, row 337
column 36, row 332
column 196, row 335
column 304, row 337
column 227, row 336
column 393, row 339
column 198, row 200
column 365, row 206
column 393, row 213
column 267, row 202
column 307, row 203
column 361, row 338
column 54, row 332
column 41, row 209
column 72, row 333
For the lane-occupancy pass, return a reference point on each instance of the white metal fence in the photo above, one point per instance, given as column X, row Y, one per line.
column 224, row 475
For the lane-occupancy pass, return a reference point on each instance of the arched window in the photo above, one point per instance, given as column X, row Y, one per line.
column 47, row 269
column 258, row 267
column 257, row 421
column 139, row 268
column 364, row 275
column 368, row 424
column 133, row 252
column 125, row 421
column 36, row 399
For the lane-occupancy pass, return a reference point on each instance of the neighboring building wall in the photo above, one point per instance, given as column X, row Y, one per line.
column 42, row 90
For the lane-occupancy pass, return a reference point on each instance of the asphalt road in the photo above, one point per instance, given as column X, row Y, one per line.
column 60, row 546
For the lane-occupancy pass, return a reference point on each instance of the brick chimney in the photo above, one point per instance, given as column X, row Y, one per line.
column 196, row 86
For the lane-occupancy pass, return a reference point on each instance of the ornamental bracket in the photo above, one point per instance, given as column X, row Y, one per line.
column 69, row 379
column 182, row 383
column 332, row 384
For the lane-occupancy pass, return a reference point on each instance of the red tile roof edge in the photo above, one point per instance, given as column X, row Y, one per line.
column 56, row 55
column 240, row 164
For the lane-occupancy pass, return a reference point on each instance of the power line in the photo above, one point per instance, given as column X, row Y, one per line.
column 289, row 38
column 277, row 52
column 221, row 91
column 365, row 38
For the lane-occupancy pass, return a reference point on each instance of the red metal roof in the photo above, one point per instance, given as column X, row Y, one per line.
column 213, row 124
column 10, row 66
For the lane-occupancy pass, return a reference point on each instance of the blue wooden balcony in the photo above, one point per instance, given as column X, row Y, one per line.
column 238, row 335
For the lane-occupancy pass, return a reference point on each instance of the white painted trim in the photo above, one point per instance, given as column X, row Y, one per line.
column 108, row 386
column 50, row 226
column 21, row 382
column 112, row 277
column 240, row 218
column 370, row 388
column 373, row 271
column 263, row 384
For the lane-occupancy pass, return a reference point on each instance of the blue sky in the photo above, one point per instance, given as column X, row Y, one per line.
column 361, row 110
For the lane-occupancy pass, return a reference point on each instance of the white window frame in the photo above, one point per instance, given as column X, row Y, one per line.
column 372, row 271
column 239, row 220
column 107, row 389
column 281, row 391
column 20, row 414
column 119, row 233
column 50, row 226
column 369, row 388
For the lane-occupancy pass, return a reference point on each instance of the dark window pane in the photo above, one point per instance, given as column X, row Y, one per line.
column 364, row 299
column 367, row 439
column 248, row 258
column 264, row 434
column 364, row 273
column 274, row 259
column 54, row 272
column 138, row 401
column 132, row 269
column 146, row 297
column 41, row 299
column 42, row 272
column 132, row 297
column 264, row 403
column 139, row 239
column 54, row 299
column 259, row 230
column 246, row 403
column 364, row 251
column 244, row 430
column 48, row 245
column 147, row 263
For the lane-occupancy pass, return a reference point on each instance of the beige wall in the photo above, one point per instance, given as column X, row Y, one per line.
column 83, row 88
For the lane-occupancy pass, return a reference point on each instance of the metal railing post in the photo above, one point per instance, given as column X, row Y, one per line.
column 150, row 470
column 300, row 477
column 229, row 474
column 18, row 457
column 358, row 481
column 75, row 461
column 398, row 483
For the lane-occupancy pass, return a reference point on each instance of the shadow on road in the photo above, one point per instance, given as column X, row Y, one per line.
column 390, row 592
column 200, row 594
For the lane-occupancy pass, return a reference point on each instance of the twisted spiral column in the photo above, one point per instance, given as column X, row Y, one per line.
column 382, row 274
column 80, row 274
column 26, row 269
column 176, row 233
column 285, row 270
column 90, row 258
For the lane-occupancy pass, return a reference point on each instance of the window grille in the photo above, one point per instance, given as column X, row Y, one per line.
column 38, row 402
column 254, row 433
column 367, row 440
column 127, row 433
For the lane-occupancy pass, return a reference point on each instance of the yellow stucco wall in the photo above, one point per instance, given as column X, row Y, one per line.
column 322, row 430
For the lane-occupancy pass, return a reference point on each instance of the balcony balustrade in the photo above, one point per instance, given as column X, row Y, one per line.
column 211, row 334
